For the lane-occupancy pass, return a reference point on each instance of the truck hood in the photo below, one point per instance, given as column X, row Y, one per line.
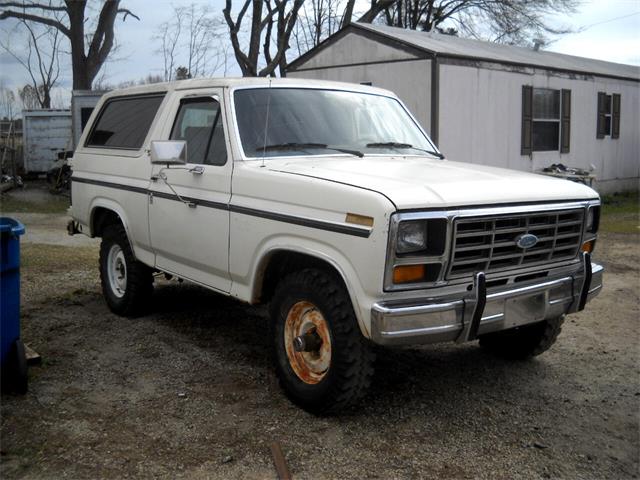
column 418, row 182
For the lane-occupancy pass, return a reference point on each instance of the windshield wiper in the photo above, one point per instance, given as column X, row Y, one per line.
column 403, row 145
column 303, row 146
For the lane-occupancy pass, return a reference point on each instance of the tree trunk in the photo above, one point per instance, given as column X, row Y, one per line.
column 75, row 11
column 348, row 14
column 46, row 100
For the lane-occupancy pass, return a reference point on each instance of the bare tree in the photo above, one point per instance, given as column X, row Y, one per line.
column 40, row 57
column 266, row 16
column 317, row 20
column 29, row 97
column 169, row 34
column 503, row 21
column 194, row 37
column 89, row 50
column 150, row 79
column 8, row 106
column 273, row 22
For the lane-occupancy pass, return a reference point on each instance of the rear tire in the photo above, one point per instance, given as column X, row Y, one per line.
column 336, row 374
column 523, row 342
column 127, row 285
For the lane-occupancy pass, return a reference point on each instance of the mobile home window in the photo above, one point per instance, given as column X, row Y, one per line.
column 608, row 115
column 546, row 120
column 124, row 122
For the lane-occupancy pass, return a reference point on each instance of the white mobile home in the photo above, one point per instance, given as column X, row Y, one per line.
column 498, row 105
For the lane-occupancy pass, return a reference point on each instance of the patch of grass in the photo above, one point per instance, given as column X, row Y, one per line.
column 627, row 202
column 57, row 258
column 50, row 204
column 621, row 213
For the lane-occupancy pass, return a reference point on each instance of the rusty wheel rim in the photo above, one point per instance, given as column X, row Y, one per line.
column 310, row 366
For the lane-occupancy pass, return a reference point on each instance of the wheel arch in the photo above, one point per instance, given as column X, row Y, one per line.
column 278, row 262
column 105, row 212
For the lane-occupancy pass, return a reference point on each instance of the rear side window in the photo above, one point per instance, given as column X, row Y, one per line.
column 124, row 122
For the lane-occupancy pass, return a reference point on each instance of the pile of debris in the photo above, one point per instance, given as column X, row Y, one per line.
column 575, row 174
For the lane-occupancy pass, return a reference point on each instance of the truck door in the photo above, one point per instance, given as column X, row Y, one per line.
column 188, row 210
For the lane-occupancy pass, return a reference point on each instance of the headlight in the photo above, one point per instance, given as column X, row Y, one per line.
column 590, row 217
column 593, row 215
column 412, row 237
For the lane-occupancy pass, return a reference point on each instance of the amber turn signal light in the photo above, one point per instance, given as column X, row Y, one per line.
column 409, row 273
column 587, row 247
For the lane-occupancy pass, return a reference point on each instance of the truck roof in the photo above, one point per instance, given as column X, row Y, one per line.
column 227, row 82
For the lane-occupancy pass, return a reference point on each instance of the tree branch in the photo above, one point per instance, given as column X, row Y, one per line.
column 285, row 28
column 102, row 41
column 35, row 18
column 348, row 14
column 234, row 28
column 126, row 12
column 24, row 5
column 376, row 7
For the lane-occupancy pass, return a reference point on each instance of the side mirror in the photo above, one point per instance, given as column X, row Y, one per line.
column 168, row 152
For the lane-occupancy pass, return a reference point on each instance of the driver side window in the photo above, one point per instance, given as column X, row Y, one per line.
column 199, row 123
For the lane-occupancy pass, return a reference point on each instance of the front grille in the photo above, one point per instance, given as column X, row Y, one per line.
column 488, row 243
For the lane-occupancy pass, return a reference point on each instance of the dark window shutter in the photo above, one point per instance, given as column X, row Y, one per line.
column 615, row 116
column 527, row 120
column 602, row 108
column 565, row 118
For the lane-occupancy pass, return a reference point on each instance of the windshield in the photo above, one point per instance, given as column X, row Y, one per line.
column 318, row 122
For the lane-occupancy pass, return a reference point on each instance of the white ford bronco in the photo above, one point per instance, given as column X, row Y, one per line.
column 329, row 203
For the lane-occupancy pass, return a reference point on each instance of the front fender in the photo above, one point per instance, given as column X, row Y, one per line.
column 318, row 250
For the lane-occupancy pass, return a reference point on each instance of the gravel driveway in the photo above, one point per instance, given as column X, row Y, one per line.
column 188, row 391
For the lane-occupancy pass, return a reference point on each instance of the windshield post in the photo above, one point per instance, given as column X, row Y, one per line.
column 266, row 124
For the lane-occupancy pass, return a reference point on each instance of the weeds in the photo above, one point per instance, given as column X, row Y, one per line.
column 53, row 204
column 57, row 258
column 621, row 213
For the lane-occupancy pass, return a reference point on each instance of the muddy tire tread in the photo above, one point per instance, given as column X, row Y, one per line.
column 354, row 363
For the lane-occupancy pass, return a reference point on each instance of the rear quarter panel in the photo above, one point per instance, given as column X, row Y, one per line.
column 129, row 169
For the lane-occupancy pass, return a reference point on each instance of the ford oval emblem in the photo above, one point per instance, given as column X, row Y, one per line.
column 526, row 240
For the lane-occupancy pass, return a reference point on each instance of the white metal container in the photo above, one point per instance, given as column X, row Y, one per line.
column 46, row 133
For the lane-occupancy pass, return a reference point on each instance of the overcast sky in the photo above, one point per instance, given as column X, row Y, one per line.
column 605, row 29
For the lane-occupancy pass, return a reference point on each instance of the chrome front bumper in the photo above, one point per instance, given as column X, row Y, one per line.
column 480, row 311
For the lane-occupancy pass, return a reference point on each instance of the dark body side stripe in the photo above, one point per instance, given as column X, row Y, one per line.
column 278, row 217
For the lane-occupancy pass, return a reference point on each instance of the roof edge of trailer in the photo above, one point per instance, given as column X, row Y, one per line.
column 433, row 44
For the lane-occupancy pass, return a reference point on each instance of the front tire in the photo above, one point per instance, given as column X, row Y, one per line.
column 127, row 285
column 523, row 342
column 323, row 362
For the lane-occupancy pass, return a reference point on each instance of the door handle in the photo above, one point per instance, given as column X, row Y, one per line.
column 199, row 170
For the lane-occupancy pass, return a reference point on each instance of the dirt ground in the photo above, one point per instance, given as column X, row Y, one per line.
column 188, row 390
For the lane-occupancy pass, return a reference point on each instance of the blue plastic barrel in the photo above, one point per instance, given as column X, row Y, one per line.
column 12, row 358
